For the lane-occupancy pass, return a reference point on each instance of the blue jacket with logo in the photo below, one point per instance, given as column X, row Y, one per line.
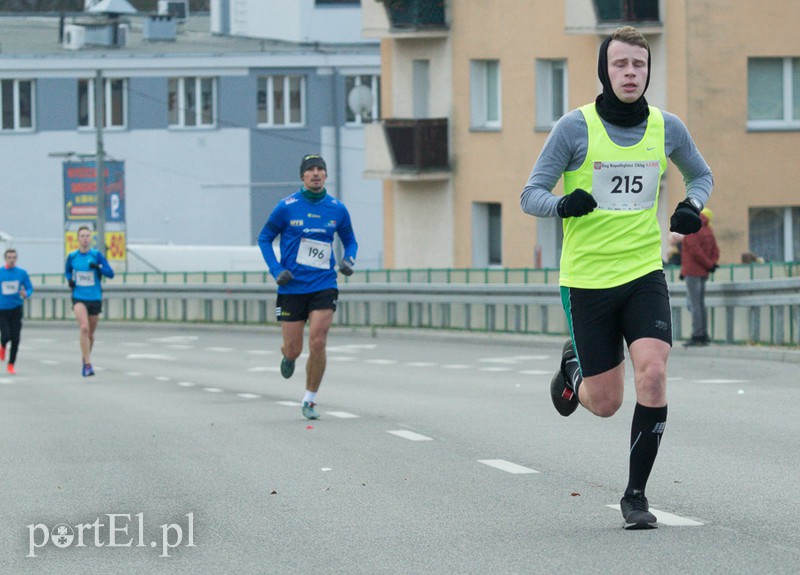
column 87, row 279
column 11, row 280
column 307, row 231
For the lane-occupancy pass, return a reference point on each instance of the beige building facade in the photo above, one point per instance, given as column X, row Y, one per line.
column 470, row 90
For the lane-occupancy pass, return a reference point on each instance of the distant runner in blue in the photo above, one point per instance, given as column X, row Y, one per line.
column 306, row 222
column 15, row 287
column 84, row 271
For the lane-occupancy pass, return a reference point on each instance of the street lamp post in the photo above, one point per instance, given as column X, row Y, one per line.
column 99, row 119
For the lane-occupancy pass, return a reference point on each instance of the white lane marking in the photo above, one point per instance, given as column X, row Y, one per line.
column 456, row 366
column 248, row 395
column 213, row 389
column 410, row 435
column 536, row 371
column 289, row 403
column 175, row 339
column 721, row 381
column 507, row 466
column 186, row 384
column 133, row 373
column 219, row 349
column 262, row 368
column 341, row 414
column 134, row 344
column 260, row 352
column 342, row 358
column 382, row 361
column 162, row 378
column 50, row 362
column 495, row 369
column 7, row 381
column 352, row 348
column 499, row 360
column 40, row 340
column 420, row 364
column 152, row 356
column 668, row 518
column 179, row 346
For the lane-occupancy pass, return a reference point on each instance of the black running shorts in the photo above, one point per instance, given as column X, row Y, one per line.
column 600, row 319
column 297, row 306
column 93, row 307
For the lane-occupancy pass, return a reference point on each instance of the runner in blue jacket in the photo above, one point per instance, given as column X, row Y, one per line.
column 15, row 287
column 306, row 222
column 84, row 270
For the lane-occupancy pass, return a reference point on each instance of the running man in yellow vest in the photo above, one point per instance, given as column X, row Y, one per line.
column 612, row 154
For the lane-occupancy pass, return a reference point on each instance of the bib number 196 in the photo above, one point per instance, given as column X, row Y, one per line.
column 314, row 253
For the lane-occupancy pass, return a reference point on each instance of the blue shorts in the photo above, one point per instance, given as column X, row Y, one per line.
column 600, row 319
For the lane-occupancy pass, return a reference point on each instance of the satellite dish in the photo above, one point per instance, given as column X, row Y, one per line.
column 359, row 100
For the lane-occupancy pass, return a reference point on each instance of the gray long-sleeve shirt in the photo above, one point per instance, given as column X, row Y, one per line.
column 565, row 150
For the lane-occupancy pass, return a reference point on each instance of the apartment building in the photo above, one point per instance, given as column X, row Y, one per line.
column 471, row 90
column 208, row 113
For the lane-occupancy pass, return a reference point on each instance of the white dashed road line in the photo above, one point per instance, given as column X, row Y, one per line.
column 341, row 414
column 186, row 384
column 668, row 518
column 213, row 389
column 248, row 395
column 289, row 403
column 410, row 435
column 507, row 466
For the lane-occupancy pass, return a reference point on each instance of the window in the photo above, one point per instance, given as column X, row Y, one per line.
column 775, row 233
column 773, row 93
column 192, row 102
column 363, row 98
column 551, row 92
column 16, row 105
column 485, row 94
column 114, row 105
column 626, row 10
column 281, row 101
column 487, row 235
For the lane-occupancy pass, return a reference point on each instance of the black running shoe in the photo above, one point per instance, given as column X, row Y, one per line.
column 636, row 512
column 287, row 367
column 564, row 397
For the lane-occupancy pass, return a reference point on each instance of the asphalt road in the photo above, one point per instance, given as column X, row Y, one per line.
column 187, row 453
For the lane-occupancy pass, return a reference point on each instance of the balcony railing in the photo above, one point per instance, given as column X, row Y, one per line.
column 627, row 10
column 416, row 14
column 418, row 144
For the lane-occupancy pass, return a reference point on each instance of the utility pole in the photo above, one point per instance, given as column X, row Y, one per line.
column 99, row 118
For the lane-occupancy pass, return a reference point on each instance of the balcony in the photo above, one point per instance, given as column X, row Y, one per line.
column 415, row 17
column 628, row 11
column 601, row 16
column 418, row 146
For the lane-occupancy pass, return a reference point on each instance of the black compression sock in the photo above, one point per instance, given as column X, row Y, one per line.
column 646, row 429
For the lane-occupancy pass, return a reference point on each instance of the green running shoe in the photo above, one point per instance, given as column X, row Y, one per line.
column 308, row 410
column 287, row 367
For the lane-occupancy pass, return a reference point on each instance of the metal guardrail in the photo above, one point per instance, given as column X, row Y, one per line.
column 759, row 311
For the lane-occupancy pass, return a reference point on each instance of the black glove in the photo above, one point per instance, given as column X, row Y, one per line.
column 94, row 266
column 346, row 266
column 577, row 204
column 71, row 284
column 686, row 219
column 714, row 268
column 680, row 277
column 284, row 278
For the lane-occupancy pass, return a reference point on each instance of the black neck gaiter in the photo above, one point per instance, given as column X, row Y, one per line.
column 611, row 108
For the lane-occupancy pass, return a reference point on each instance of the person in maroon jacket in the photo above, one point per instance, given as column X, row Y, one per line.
column 699, row 257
